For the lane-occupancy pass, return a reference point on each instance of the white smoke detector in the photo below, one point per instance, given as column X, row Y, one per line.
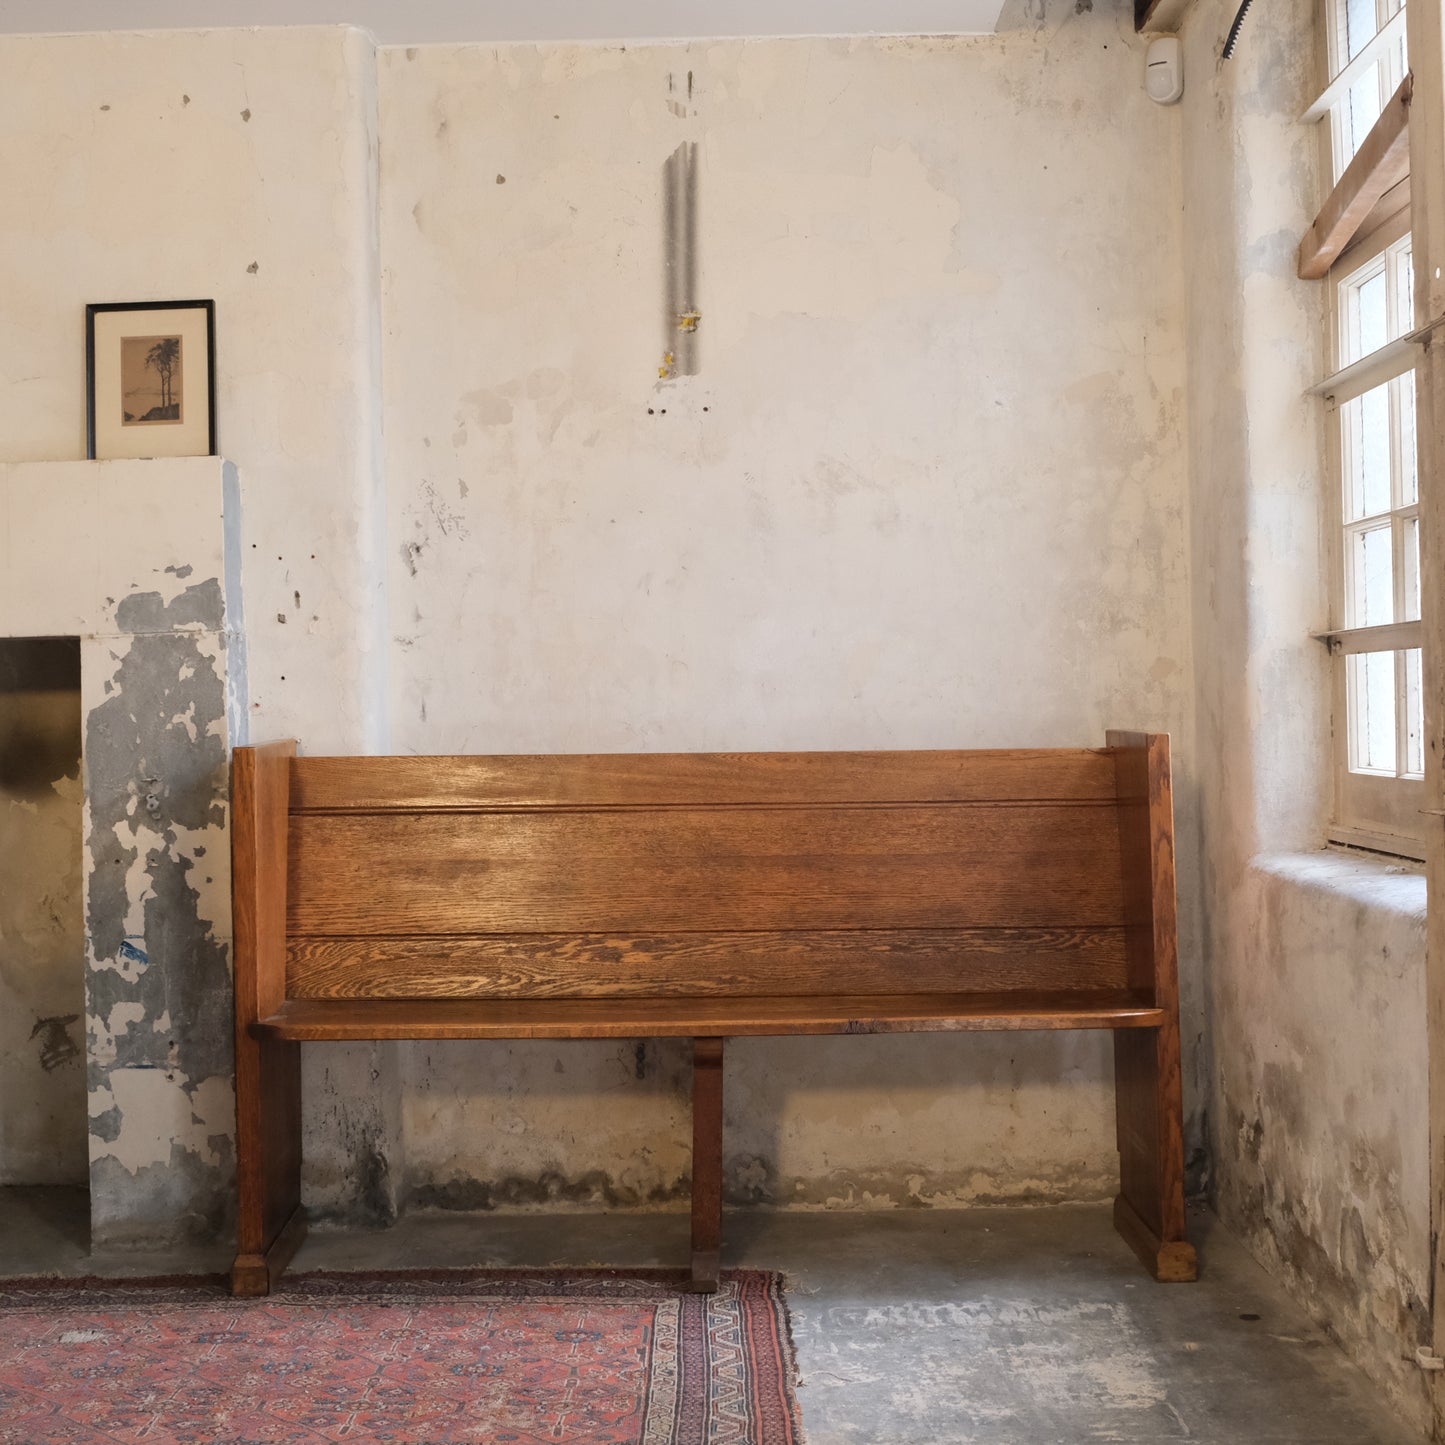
column 1164, row 69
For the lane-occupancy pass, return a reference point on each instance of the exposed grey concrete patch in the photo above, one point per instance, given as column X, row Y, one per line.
column 192, row 962
column 105, row 1126
column 200, row 606
column 158, row 991
column 187, row 979
column 157, row 1205
column 105, row 893
column 159, row 726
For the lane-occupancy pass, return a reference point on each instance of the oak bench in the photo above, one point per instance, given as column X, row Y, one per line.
column 704, row 896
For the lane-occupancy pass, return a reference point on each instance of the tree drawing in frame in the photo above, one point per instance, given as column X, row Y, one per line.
column 151, row 381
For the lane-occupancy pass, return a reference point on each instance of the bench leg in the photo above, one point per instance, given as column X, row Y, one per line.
column 271, row 1223
column 707, row 1120
column 1149, row 1211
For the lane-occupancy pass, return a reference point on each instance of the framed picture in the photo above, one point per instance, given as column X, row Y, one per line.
column 150, row 379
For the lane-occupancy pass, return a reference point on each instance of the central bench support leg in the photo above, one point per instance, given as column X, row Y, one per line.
column 707, row 1121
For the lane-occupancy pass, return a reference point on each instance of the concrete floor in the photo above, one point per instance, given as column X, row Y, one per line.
column 930, row 1327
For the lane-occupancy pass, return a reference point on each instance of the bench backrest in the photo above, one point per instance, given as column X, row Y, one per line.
column 701, row 874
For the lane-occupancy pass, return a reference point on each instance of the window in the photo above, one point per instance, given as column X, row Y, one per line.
column 1368, row 61
column 1373, row 490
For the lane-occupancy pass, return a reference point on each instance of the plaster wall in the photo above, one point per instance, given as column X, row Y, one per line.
column 1318, row 1098
column 234, row 165
column 238, row 165
column 146, row 599
column 924, row 489
column 423, row 21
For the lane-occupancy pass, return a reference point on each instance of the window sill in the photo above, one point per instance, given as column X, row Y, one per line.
column 1388, row 848
column 1392, row 886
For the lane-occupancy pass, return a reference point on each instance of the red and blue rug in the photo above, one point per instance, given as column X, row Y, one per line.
column 584, row 1357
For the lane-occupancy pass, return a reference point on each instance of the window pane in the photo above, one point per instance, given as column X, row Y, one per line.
column 1372, row 576
column 1367, row 446
column 1414, row 715
column 1373, row 331
column 1360, row 26
column 1409, row 484
column 1403, row 261
column 1411, row 564
column 1362, row 110
column 1370, row 684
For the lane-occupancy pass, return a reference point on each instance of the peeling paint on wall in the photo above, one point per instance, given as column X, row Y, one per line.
column 159, row 991
column 146, row 600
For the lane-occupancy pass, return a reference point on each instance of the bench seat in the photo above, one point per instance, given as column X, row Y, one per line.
column 628, row 1018
column 704, row 897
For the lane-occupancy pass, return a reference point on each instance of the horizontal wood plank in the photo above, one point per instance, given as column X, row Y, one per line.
column 351, row 1019
column 409, row 784
column 706, row 869
column 693, row 965
column 1382, row 161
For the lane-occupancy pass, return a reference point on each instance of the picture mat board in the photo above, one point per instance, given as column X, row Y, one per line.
column 191, row 437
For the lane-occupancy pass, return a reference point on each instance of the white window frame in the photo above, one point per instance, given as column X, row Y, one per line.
column 1382, row 54
column 1371, row 810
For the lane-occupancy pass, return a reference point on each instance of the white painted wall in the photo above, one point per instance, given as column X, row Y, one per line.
column 1318, row 1101
column 145, row 595
column 926, row 491
column 430, row 21
column 237, row 165
column 233, row 165
column 928, row 488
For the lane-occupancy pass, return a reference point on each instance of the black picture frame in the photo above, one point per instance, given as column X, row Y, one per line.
column 98, row 309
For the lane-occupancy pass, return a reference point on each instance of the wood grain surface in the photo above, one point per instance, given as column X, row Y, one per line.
column 707, row 1162
column 706, row 896
column 595, row 1018
column 1148, row 1083
column 690, row 965
column 410, row 784
column 708, row 869
column 268, row 1070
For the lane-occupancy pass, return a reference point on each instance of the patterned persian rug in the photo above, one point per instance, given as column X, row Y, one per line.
column 577, row 1357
